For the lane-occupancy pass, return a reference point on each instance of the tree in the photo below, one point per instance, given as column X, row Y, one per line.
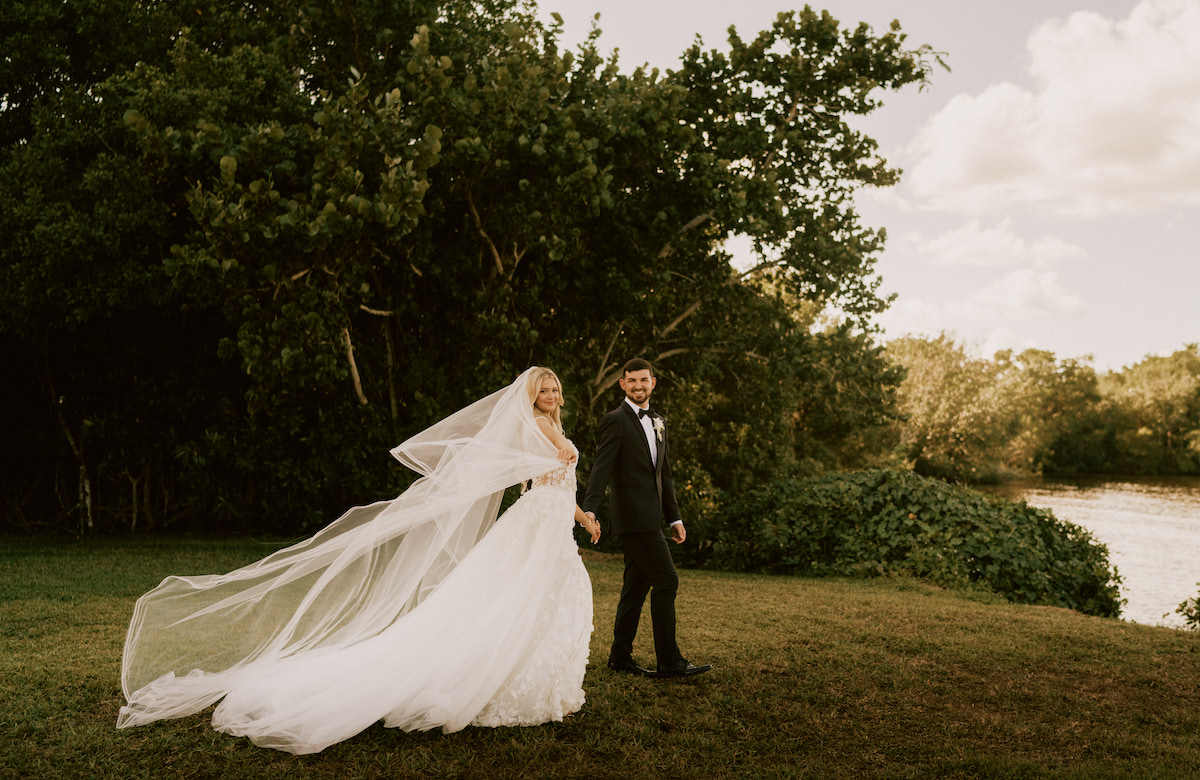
column 1048, row 399
column 383, row 209
column 1154, row 413
column 955, row 421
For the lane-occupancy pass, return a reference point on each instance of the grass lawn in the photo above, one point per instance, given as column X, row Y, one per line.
column 812, row 679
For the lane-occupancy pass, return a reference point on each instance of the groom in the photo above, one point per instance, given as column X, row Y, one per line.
column 632, row 455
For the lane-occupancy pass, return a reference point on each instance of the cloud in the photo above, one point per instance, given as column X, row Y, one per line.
column 1112, row 123
column 1020, row 295
column 991, row 247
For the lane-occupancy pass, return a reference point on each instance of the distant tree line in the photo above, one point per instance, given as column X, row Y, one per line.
column 974, row 419
column 248, row 248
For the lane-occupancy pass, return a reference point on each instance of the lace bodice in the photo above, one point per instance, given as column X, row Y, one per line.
column 562, row 477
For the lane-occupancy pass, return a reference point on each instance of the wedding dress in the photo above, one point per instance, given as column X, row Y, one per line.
column 423, row 612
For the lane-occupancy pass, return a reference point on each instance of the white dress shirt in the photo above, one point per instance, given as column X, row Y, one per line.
column 647, row 428
column 651, row 439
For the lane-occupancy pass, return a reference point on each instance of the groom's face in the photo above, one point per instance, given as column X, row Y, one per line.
column 638, row 385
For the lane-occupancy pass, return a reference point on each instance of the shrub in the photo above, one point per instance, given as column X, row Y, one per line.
column 882, row 522
column 1190, row 610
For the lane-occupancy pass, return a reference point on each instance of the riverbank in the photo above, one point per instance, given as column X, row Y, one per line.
column 1151, row 526
column 812, row 679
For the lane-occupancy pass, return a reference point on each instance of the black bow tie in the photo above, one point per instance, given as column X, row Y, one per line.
column 644, row 413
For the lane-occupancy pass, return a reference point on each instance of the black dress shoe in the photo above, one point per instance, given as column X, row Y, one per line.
column 629, row 666
column 682, row 669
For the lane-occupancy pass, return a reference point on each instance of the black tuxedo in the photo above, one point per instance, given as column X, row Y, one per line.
column 641, row 503
column 643, row 493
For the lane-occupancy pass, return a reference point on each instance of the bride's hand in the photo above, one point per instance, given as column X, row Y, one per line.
column 594, row 530
column 567, row 455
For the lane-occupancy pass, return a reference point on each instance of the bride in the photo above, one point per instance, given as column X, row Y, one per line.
column 415, row 611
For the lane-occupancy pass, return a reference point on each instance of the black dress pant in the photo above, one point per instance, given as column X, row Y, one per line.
column 649, row 570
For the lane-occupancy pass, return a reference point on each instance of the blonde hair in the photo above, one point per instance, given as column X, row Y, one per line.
column 536, row 378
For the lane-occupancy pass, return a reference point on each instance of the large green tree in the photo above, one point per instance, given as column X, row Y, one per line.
column 285, row 240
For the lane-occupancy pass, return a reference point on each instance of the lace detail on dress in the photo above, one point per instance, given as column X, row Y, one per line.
column 559, row 478
column 548, row 684
column 563, row 477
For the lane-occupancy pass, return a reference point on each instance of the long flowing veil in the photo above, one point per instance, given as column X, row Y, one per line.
column 192, row 639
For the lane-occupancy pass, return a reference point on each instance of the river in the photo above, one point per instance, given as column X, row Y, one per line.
column 1151, row 526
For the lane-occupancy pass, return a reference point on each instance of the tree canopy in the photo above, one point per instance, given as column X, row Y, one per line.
column 973, row 419
column 251, row 249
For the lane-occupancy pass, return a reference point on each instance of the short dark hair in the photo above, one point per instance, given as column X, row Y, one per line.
column 637, row 364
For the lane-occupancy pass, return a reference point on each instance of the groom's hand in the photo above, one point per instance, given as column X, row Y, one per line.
column 678, row 533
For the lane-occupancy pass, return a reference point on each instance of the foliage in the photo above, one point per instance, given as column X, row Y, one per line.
column 1046, row 398
column 973, row 419
column 880, row 522
column 254, row 248
column 955, row 420
column 1190, row 611
column 1150, row 415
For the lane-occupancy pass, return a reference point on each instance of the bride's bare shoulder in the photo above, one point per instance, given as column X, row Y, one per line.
column 549, row 429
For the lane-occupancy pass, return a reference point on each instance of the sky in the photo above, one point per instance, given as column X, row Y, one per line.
column 1050, row 195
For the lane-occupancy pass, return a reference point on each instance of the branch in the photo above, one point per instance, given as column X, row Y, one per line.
column 86, row 522
column 756, row 269
column 517, row 255
column 376, row 312
column 689, row 311
column 791, row 117
column 696, row 305
column 608, row 352
column 674, row 352
column 603, row 385
column 358, row 391
column 483, row 233
column 696, row 222
column 391, row 374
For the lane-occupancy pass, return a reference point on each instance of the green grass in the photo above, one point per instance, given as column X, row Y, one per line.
column 812, row 679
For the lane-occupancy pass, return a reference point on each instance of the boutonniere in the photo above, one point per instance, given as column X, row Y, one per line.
column 659, row 428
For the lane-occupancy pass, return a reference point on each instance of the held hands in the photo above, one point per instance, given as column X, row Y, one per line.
column 592, row 526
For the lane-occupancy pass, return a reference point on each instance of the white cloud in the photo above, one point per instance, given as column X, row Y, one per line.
column 998, row 246
column 1018, row 296
column 1112, row 123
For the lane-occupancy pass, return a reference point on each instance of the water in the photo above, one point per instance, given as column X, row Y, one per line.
column 1150, row 524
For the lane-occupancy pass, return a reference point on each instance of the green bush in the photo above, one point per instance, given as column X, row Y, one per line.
column 882, row 522
column 1190, row 611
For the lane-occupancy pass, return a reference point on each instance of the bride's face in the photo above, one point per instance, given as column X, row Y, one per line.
column 548, row 397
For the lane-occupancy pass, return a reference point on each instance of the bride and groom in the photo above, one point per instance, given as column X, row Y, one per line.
column 430, row 610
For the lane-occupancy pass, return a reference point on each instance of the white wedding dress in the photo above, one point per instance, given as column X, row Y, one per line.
column 503, row 641
column 491, row 630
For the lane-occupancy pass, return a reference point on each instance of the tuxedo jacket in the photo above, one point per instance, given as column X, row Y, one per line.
column 642, row 495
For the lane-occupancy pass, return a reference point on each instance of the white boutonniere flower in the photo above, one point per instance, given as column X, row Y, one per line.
column 659, row 428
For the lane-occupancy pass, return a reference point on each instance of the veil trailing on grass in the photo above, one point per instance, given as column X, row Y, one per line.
column 192, row 639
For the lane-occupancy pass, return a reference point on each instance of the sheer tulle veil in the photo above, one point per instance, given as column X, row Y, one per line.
column 193, row 638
